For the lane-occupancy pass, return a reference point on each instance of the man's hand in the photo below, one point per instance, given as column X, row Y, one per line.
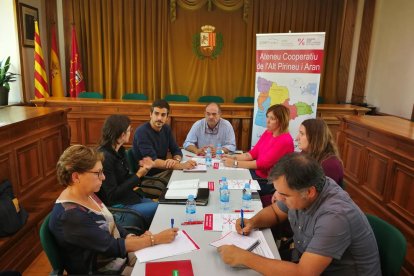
column 170, row 163
column 248, row 226
column 232, row 255
column 188, row 165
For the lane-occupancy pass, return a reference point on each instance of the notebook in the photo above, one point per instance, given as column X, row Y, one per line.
column 181, row 189
column 201, row 200
column 183, row 267
column 244, row 242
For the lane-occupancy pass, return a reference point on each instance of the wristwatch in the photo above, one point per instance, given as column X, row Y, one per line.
column 236, row 163
column 178, row 159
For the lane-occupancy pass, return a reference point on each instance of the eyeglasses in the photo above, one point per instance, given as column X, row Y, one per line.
column 99, row 173
column 213, row 131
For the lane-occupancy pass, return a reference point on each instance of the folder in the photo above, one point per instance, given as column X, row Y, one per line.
column 183, row 267
column 202, row 198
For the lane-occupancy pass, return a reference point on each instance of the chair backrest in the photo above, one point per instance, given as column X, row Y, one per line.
column 135, row 96
column 132, row 162
column 391, row 243
column 243, row 100
column 176, row 98
column 91, row 95
column 50, row 247
column 209, row 99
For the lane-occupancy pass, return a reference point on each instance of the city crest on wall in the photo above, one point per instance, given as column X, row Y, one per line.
column 207, row 43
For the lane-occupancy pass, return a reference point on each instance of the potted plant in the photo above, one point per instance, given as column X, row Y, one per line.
column 5, row 78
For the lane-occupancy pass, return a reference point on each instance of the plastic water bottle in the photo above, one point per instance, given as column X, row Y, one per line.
column 247, row 197
column 190, row 208
column 219, row 152
column 208, row 158
column 224, row 196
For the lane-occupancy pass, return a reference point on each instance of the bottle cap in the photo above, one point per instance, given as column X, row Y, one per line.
column 191, row 197
column 247, row 185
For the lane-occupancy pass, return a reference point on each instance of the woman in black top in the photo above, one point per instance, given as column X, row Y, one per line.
column 119, row 184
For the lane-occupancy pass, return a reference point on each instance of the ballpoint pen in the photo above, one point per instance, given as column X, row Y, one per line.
column 244, row 211
column 172, row 223
column 242, row 221
column 192, row 222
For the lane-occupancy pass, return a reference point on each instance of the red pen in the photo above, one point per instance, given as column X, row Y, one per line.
column 192, row 222
column 238, row 211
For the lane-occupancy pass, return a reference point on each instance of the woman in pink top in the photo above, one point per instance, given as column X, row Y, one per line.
column 274, row 143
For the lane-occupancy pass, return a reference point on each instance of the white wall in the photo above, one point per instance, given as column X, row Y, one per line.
column 28, row 52
column 9, row 46
column 390, row 76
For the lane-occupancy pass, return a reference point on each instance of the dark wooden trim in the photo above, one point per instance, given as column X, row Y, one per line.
column 351, row 10
column 358, row 92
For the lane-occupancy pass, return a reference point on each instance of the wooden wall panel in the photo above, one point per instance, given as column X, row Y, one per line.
column 403, row 193
column 51, row 150
column 93, row 127
column 376, row 173
column 30, row 166
column 75, row 130
column 353, row 159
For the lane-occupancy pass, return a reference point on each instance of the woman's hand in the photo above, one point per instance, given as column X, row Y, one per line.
column 227, row 160
column 147, row 163
column 166, row 236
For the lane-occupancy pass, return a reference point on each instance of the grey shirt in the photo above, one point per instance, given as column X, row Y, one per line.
column 334, row 226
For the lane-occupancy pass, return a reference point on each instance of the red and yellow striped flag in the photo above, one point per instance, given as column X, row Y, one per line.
column 40, row 77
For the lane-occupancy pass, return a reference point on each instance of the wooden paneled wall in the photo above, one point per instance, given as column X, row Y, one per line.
column 378, row 156
column 87, row 116
column 31, row 141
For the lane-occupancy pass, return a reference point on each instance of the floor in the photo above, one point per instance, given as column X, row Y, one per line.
column 40, row 266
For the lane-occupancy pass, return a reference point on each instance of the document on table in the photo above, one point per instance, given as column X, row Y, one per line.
column 234, row 238
column 182, row 243
column 238, row 184
column 222, row 222
column 263, row 248
column 198, row 168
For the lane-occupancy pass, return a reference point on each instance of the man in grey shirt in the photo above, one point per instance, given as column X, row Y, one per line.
column 209, row 132
column 332, row 235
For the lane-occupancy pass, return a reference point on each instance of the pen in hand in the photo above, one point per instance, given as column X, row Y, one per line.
column 242, row 220
column 172, row 223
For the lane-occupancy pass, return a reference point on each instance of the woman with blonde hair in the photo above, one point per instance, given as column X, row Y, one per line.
column 315, row 139
column 89, row 239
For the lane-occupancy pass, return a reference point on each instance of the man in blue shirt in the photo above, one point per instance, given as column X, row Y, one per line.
column 332, row 236
column 209, row 132
column 154, row 139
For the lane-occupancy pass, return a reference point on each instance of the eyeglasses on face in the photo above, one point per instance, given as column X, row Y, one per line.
column 99, row 173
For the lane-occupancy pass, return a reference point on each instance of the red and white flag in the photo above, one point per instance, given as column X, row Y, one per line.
column 40, row 77
column 77, row 83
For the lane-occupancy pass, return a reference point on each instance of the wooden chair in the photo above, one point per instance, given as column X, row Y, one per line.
column 176, row 98
column 135, row 96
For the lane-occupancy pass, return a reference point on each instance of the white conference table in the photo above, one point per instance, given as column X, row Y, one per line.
column 206, row 260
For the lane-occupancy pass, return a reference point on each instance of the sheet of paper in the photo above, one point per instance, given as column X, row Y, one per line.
column 238, row 184
column 182, row 243
column 184, row 184
column 263, row 248
column 198, row 168
column 244, row 242
column 222, row 222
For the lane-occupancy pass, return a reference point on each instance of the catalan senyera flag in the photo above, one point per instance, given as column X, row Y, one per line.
column 55, row 72
column 40, row 77
column 77, row 83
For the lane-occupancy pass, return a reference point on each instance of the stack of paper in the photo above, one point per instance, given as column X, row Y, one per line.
column 234, row 238
column 181, row 189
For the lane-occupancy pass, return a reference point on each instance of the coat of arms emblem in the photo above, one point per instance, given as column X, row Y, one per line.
column 207, row 43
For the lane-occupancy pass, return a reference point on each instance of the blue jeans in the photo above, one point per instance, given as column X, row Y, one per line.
column 146, row 207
